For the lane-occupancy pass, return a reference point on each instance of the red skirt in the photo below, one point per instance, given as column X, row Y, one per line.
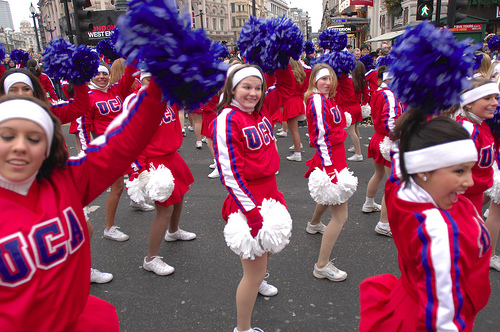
column 183, row 177
column 98, row 315
column 208, row 117
column 293, row 107
column 374, row 150
column 260, row 188
column 355, row 111
column 338, row 156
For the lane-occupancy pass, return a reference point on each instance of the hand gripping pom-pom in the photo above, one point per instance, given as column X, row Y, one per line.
column 85, row 65
column 430, row 68
column 270, row 43
column 107, row 48
column 272, row 237
column 366, row 111
column 161, row 183
column 385, row 148
column 161, row 41
column 494, row 191
column 324, row 192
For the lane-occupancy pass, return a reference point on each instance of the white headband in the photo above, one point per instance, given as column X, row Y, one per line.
column 144, row 74
column 244, row 73
column 387, row 75
column 496, row 69
column 16, row 78
column 28, row 110
column 478, row 93
column 102, row 69
column 322, row 72
column 233, row 67
column 440, row 156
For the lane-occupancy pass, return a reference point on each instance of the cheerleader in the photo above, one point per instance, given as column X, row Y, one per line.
column 247, row 161
column 326, row 125
column 47, row 84
column 45, row 285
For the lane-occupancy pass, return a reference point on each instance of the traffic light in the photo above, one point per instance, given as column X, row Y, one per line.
column 453, row 15
column 425, row 9
column 82, row 18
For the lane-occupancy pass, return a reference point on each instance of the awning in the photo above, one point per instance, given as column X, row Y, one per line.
column 386, row 36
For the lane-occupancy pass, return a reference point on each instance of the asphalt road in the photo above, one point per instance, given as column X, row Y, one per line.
column 200, row 295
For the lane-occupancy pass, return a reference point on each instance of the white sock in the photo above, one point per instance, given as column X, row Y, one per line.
column 298, row 154
column 236, row 330
column 384, row 225
column 369, row 201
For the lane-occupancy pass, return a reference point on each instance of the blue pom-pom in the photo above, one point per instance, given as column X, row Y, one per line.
column 2, row 52
column 342, row 62
column 494, row 43
column 162, row 42
column 270, row 43
column 113, row 37
column 430, row 68
column 367, row 60
column 332, row 40
column 63, row 60
column 308, row 47
column 385, row 60
column 219, row 50
column 494, row 122
column 478, row 60
column 106, row 48
column 19, row 56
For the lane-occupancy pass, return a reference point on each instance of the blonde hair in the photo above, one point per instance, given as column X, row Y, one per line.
column 489, row 74
column 117, row 70
column 485, row 65
column 298, row 71
column 313, row 84
column 228, row 89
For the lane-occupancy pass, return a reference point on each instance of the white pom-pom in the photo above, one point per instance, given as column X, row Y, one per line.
column 277, row 226
column 385, row 148
column 239, row 239
column 494, row 191
column 324, row 192
column 366, row 111
column 272, row 237
column 161, row 183
column 136, row 191
column 348, row 119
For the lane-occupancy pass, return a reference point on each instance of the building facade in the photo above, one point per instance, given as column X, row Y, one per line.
column 5, row 16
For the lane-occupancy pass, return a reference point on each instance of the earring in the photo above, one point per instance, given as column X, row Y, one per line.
column 424, row 178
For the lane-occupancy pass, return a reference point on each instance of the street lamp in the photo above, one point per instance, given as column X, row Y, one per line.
column 200, row 8
column 50, row 30
column 34, row 15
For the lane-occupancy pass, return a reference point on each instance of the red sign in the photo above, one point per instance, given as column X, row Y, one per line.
column 467, row 27
column 362, row 3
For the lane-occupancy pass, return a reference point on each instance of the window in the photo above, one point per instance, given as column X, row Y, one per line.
column 232, row 8
column 234, row 22
column 240, row 25
column 222, row 24
column 239, row 8
column 214, row 22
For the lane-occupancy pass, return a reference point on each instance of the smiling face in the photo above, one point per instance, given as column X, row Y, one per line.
column 20, row 89
column 23, row 145
column 101, row 79
column 323, row 85
column 445, row 184
column 484, row 107
column 248, row 92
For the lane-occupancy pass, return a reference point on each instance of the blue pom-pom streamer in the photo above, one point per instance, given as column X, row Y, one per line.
column 478, row 60
column 308, row 47
column 161, row 41
column 2, row 52
column 333, row 40
column 342, row 62
column 385, row 60
column 494, row 43
column 113, row 37
column 63, row 60
column 367, row 60
column 494, row 122
column 270, row 43
column 219, row 50
column 430, row 68
column 106, row 48
column 19, row 56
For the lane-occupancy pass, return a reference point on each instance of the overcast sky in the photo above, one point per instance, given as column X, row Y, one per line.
column 20, row 11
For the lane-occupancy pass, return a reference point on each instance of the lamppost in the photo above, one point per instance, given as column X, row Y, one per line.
column 200, row 8
column 34, row 15
column 50, row 30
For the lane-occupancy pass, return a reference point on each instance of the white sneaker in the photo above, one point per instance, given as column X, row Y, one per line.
column 204, row 140
column 486, row 213
column 292, row 148
column 318, row 228
column 371, row 208
column 179, row 235
column 114, row 234
column 214, row 174
column 351, row 148
column 330, row 272
column 356, row 157
column 266, row 289
column 184, row 132
column 199, row 144
column 383, row 229
column 157, row 266
column 214, row 165
column 190, row 128
column 255, row 329
column 99, row 277
column 495, row 262
column 141, row 206
column 294, row 157
column 282, row 134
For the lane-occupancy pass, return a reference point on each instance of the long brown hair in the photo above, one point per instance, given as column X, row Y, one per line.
column 312, row 88
column 298, row 71
column 228, row 89
column 116, row 71
column 38, row 90
column 358, row 77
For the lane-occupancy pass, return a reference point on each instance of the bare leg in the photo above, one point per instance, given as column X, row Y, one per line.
column 318, row 213
column 197, row 119
column 173, row 224
column 355, row 139
column 293, row 125
column 376, row 180
column 332, row 232
column 254, row 272
column 493, row 225
column 112, row 202
column 158, row 229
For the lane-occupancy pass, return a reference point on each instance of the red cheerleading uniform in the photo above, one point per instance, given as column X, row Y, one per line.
column 386, row 108
column 245, row 150
column 444, row 260
column 45, row 260
column 372, row 80
column 326, row 123
column 347, row 98
column 209, row 115
column 68, row 111
column 295, row 105
column 48, row 86
column 482, row 172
